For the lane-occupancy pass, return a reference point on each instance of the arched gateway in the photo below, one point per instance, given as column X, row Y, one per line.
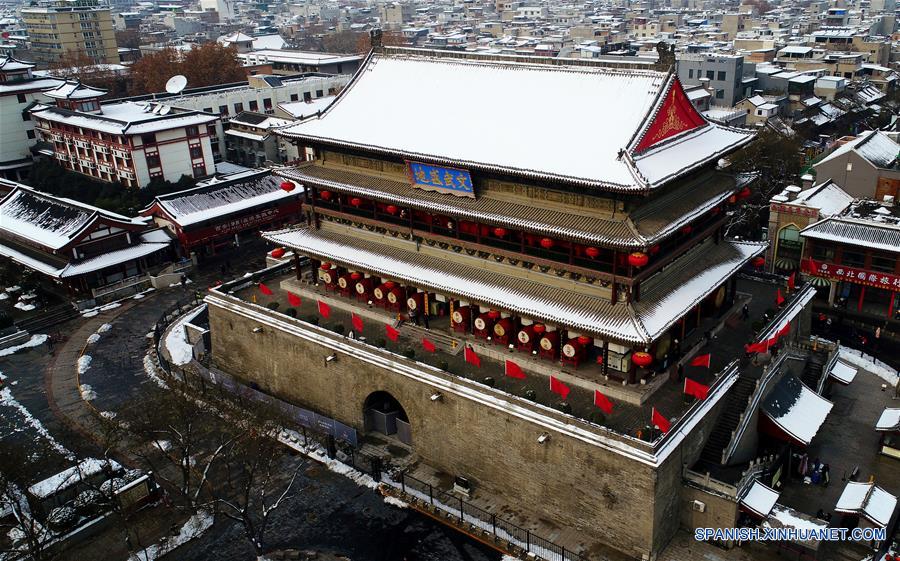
column 384, row 414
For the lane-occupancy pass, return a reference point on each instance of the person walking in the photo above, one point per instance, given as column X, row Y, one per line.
column 745, row 312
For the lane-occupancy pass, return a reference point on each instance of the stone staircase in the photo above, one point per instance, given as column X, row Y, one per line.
column 47, row 318
column 728, row 421
column 812, row 370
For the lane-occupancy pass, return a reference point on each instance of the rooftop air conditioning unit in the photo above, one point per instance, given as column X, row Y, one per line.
column 698, row 506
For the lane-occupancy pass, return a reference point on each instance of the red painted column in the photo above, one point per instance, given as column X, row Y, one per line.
column 862, row 296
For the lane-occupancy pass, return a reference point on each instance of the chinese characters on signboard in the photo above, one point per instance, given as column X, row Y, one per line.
column 442, row 179
column 851, row 274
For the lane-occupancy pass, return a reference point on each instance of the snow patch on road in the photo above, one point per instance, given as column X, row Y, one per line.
column 7, row 399
column 94, row 337
column 87, row 392
column 396, row 502
column 104, row 328
column 870, row 364
column 195, row 527
column 35, row 341
column 150, row 369
column 84, row 363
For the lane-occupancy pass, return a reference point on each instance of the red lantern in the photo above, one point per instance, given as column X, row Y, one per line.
column 546, row 243
column 592, row 252
column 288, row 186
column 355, row 276
column 584, row 340
column 539, row 328
column 493, row 314
column 744, row 193
column 277, row 253
column 686, row 229
column 355, row 201
column 325, row 195
column 391, row 209
column 638, row 259
column 325, row 266
column 642, row 359
column 390, row 284
column 500, row 232
column 732, row 199
column 759, row 261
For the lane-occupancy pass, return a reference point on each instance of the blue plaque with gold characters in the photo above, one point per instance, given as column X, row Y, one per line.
column 441, row 179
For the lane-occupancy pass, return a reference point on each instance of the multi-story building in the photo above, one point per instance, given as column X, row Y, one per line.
column 19, row 90
column 127, row 142
column 250, row 142
column 62, row 28
column 867, row 166
column 592, row 254
column 285, row 63
column 725, row 74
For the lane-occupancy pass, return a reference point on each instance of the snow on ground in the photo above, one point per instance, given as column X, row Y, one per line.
column 35, row 341
column 112, row 306
column 94, row 337
column 87, row 392
column 110, row 415
column 89, row 314
column 193, row 528
column 3, row 295
column 150, row 369
column 870, row 364
column 7, row 399
column 180, row 351
column 15, row 288
column 28, row 296
column 137, row 297
column 315, row 452
column 396, row 502
column 174, row 284
column 24, row 307
column 104, row 328
column 84, row 363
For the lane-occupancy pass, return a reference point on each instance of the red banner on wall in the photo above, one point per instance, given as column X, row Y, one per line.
column 887, row 281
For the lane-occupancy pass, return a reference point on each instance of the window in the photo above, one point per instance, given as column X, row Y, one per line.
column 254, row 106
column 199, row 171
column 192, row 131
column 721, row 76
column 318, row 93
column 208, row 110
column 711, row 74
column 267, row 103
column 30, row 134
column 720, row 94
column 307, row 96
column 153, row 161
column 21, row 98
column 823, row 253
column 690, row 73
column 223, row 110
column 26, row 116
column 295, row 97
column 884, row 263
column 852, row 258
column 148, row 139
column 238, row 107
column 196, row 152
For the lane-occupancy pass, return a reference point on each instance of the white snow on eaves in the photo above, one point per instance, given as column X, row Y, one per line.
column 35, row 341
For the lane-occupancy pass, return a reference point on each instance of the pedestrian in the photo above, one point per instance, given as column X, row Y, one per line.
column 745, row 312
column 183, row 280
column 425, row 319
column 826, row 475
column 877, row 338
column 680, row 371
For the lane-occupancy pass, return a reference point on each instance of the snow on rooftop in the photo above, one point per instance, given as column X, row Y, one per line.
column 796, row 409
column 66, row 478
column 760, row 499
column 889, row 420
column 827, row 197
column 875, row 146
column 869, row 500
column 127, row 117
column 843, row 372
column 42, row 219
column 784, row 517
column 303, row 109
column 475, row 112
column 112, row 258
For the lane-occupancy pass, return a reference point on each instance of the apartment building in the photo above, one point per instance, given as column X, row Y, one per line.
column 66, row 27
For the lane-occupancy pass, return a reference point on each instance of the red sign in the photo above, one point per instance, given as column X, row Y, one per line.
column 851, row 274
column 675, row 115
column 229, row 226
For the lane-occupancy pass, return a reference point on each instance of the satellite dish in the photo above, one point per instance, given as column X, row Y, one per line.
column 164, row 110
column 176, row 84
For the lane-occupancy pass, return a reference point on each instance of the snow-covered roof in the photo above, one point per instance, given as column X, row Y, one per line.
column 74, row 90
column 868, row 500
column 303, row 109
column 796, row 409
column 247, row 135
column 127, row 117
column 49, row 221
column 759, row 499
column 236, row 37
column 863, row 233
column 785, row 517
column 842, row 372
column 579, row 123
column 221, row 199
column 889, row 420
column 112, row 258
column 66, row 478
column 274, row 42
column 37, row 84
column 874, row 146
column 10, row 64
column 695, row 275
column 828, row 197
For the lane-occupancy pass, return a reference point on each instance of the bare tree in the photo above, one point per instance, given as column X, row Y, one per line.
column 26, row 533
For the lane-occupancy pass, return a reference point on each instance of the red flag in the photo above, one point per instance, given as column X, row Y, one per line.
column 695, row 389
column 761, row 347
column 514, row 371
column 392, row 333
column 660, row 422
column 600, row 359
column 293, row 299
column 265, row 289
column 357, row 322
column 701, row 360
column 784, row 330
column 472, row 358
column 559, row 388
column 428, row 345
column 324, row 309
column 792, row 280
column 779, row 299
column 602, row 402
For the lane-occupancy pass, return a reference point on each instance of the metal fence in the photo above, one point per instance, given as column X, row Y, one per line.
column 454, row 507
